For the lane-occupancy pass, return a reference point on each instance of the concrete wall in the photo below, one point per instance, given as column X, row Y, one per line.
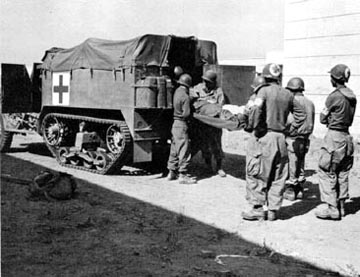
column 318, row 35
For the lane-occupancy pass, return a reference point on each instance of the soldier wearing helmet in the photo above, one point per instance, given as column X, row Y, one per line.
column 267, row 161
column 337, row 152
column 185, row 80
column 180, row 155
column 252, row 144
column 178, row 71
column 300, row 126
column 272, row 71
column 258, row 82
column 210, row 137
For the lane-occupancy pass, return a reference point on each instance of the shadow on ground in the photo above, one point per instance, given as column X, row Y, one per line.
column 353, row 205
column 310, row 201
column 102, row 233
column 233, row 164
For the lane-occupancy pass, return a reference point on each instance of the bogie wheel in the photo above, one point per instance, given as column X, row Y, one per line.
column 75, row 160
column 89, row 164
column 5, row 136
column 63, row 151
column 101, row 161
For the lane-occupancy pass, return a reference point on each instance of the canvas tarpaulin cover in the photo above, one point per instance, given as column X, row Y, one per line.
column 103, row 54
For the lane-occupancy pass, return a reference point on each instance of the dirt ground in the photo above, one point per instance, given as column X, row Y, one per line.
column 103, row 233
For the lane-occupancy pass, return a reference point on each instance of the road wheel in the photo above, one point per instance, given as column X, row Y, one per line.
column 63, row 151
column 5, row 136
column 101, row 161
column 115, row 139
column 89, row 164
column 119, row 146
column 53, row 130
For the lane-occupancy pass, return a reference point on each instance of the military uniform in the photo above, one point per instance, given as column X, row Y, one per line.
column 336, row 157
column 300, row 127
column 267, row 160
column 253, row 152
column 209, row 140
column 180, row 154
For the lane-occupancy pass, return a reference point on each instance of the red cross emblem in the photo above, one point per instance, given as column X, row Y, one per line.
column 275, row 70
column 61, row 88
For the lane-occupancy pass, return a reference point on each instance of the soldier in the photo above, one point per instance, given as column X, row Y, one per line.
column 210, row 141
column 269, row 165
column 336, row 157
column 178, row 71
column 258, row 82
column 253, row 146
column 300, row 127
column 180, row 155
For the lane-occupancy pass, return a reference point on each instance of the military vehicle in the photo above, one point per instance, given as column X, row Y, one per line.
column 20, row 102
column 105, row 103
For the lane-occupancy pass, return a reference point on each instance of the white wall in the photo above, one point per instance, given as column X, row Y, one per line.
column 319, row 34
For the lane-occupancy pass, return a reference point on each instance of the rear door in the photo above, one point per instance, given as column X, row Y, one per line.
column 16, row 89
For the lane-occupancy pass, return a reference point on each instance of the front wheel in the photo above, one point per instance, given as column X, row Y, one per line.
column 5, row 136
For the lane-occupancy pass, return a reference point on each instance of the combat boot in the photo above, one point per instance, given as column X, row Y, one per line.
column 186, row 180
column 330, row 212
column 172, row 175
column 271, row 215
column 341, row 205
column 221, row 173
column 289, row 193
column 299, row 191
column 256, row 213
column 219, row 170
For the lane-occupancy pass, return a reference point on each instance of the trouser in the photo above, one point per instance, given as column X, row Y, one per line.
column 336, row 160
column 297, row 149
column 211, row 144
column 266, row 170
column 180, row 156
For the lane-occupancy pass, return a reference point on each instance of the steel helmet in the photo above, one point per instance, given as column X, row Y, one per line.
column 258, row 82
column 272, row 71
column 178, row 71
column 340, row 72
column 210, row 76
column 296, row 84
column 185, row 80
